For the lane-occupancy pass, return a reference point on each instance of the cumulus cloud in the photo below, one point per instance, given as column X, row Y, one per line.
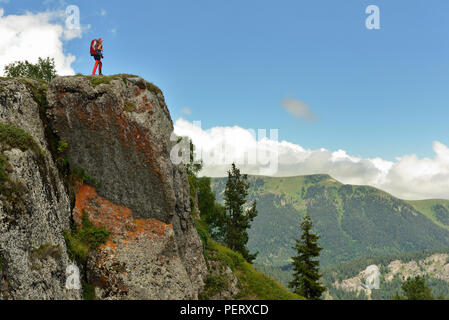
column 33, row 35
column 408, row 177
column 299, row 109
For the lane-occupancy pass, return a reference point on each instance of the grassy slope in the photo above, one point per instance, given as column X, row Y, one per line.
column 254, row 285
column 426, row 207
column 290, row 187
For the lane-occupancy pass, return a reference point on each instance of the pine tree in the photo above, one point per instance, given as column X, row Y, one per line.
column 306, row 281
column 237, row 219
column 415, row 289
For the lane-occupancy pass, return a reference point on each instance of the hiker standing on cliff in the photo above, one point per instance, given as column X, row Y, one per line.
column 96, row 51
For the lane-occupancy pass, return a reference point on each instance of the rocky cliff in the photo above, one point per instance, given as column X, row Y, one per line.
column 96, row 148
column 434, row 267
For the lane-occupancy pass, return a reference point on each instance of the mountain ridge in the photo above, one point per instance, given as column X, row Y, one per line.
column 352, row 216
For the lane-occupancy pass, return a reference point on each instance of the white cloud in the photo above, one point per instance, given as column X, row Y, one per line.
column 30, row 36
column 299, row 109
column 408, row 177
column 103, row 12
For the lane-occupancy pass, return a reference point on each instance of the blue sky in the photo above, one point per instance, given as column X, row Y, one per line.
column 375, row 93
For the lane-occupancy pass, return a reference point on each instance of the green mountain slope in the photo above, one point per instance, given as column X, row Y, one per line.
column 353, row 221
column 436, row 209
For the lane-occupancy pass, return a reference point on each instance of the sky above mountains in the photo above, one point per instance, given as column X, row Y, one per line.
column 366, row 106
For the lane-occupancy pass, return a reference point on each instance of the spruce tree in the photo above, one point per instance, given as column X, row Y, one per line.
column 237, row 219
column 306, row 281
column 415, row 289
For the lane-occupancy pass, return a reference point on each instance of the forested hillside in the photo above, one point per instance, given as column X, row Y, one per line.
column 344, row 281
column 353, row 221
column 436, row 210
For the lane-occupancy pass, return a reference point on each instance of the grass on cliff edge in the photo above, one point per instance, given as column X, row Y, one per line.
column 96, row 81
column 253, row 284
column 17, row 138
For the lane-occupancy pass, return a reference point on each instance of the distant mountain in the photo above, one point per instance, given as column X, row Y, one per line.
column 353, row 221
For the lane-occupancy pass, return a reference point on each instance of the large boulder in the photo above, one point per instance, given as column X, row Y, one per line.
column 118, row 130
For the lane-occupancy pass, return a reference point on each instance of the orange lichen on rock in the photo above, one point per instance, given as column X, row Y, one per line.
column 118, row 220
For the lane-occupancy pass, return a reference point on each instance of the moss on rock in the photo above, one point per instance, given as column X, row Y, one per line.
column 16, row 138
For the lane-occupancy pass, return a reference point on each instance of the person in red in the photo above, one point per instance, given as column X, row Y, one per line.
column 96, row 51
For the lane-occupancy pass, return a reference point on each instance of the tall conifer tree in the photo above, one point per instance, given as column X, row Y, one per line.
column 237, row 219
column 306, row 281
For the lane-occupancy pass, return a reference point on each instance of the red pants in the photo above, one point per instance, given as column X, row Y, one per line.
column 97, row 64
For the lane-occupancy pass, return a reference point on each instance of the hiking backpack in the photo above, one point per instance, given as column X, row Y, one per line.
column 93, row 47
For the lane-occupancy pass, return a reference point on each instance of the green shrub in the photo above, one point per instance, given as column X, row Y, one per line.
column 215, row 283
column 77, row 249
column 44, row 69
column 84, row 238
column 80, row 241
column 92, row 235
